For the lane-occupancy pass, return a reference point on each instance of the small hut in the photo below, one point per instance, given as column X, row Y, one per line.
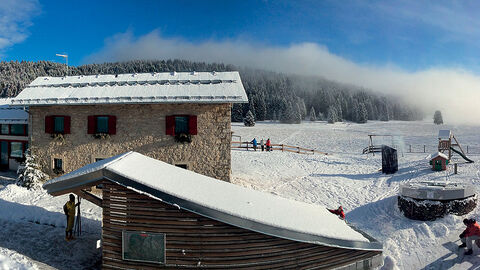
column 158, row 216
column 439, row 161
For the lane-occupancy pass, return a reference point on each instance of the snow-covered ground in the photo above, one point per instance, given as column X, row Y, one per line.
column 32, row 231
column 32, row 223
column 348, row 178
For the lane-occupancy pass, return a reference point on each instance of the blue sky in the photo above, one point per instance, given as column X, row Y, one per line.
column 413, row 35
column 415, row 49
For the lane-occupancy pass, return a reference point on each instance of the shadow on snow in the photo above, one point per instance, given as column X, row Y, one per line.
column 42, row 241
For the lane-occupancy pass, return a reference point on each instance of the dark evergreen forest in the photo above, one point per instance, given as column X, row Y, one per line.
column 272, row 96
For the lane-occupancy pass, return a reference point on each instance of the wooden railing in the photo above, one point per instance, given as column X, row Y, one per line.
column 277, row 147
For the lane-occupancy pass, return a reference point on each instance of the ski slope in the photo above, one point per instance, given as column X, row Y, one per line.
column 33, row 224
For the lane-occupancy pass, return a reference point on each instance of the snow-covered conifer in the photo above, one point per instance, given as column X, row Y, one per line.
column 313, row 116
column 249, row 120
column 437, row 118
column 362, row 115
column 29, row 173
column 331, row 115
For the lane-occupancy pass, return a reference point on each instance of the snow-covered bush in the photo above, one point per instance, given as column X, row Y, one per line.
column 29, row 173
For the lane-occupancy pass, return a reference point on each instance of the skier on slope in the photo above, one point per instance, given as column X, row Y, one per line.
column 471, row 233
column 339, row 212
column 69, row 209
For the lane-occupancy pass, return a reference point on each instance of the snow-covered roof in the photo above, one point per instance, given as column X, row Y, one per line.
column 10, row 114
column 438, row 154
column 166, row 87
column 232, row 204
column 444, row 134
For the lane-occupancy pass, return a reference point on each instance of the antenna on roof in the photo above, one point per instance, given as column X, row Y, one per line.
column 66, row 60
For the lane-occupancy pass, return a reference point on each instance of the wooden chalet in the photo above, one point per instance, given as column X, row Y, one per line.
column 156, row 215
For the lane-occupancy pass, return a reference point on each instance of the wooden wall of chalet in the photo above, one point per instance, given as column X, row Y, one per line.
column 193, row 241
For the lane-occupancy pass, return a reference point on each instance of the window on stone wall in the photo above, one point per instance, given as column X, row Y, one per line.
column 181, row 124
column 59, row 124
column 102, row 124
column 57, row 165
column 182, row 165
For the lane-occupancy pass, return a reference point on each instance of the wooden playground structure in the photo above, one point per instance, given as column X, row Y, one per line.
column 277, row 147
column 371, row 148
column 446, row 145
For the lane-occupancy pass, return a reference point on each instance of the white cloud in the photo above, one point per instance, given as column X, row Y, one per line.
column 454, row 91
column 15, row 18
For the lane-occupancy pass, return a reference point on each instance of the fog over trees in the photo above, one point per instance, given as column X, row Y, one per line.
column 272, row 96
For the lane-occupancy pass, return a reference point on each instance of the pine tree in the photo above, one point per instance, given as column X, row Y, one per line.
column 249, row 120
column 332, row 115
column 437, row 118
column 313, row 116
column 362, row 114
column 29, row 173
column 237, row 112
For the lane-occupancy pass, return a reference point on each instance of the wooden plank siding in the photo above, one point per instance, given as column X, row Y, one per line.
column 194, row 241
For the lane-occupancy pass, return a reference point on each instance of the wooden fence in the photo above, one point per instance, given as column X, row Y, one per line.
column 423, row 148
column 277, row 147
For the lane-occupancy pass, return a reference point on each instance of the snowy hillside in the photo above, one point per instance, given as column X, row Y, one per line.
column 32, row 222
column 348, row 178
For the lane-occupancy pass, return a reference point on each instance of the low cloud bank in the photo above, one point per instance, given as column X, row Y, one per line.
column 456, row 92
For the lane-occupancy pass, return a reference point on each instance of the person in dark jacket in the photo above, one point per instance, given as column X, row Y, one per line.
column 254, row 142
column 339, row 212
column 471, row 233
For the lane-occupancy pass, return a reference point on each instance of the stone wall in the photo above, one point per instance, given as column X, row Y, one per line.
column 140, row 128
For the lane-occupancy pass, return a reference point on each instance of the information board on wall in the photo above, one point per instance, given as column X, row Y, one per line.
column 143, row 246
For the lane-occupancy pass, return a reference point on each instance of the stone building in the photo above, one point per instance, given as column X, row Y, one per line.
column 179, row 118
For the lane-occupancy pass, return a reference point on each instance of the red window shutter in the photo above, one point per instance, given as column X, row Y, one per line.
column 112, row 124
column 170, row 125
column 66, row 124
column 49, row 124
column 91, row 124
column 192, row 125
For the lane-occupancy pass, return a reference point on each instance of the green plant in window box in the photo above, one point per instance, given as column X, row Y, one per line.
column 58, row 137
column 101, row 135
column 58, row 171
column 183, row 138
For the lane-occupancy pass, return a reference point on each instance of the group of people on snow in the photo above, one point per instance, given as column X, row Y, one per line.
column 264, row 145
